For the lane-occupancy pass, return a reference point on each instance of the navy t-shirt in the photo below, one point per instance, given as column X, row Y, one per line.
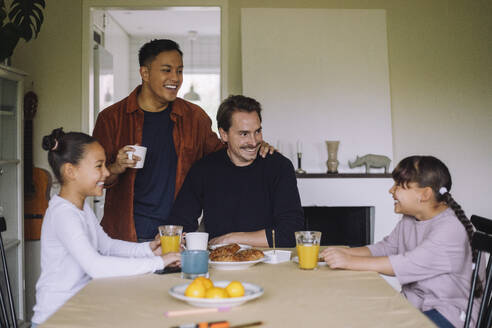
column 155, row 182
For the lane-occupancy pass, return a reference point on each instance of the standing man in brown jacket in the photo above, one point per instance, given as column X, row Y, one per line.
column 176, row 133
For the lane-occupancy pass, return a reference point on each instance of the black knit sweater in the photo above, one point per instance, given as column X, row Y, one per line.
column 263, row 195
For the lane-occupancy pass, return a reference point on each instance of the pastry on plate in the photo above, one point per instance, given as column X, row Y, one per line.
column 224, row 258
column 232, row 253
column 249, row 255
column 230, row 249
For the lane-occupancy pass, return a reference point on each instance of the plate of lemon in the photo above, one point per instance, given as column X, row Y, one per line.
column 202, row 292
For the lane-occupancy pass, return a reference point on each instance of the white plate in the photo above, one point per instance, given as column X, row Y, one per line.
column 240, row 265
column 251, row 291
column 296, row 259
column 212, row 247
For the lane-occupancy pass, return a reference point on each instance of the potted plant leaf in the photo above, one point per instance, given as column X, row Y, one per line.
column 22, row 19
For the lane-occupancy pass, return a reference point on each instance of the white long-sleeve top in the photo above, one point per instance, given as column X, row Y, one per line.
column 74, row 249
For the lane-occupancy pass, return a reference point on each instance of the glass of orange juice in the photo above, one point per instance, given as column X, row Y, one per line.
column 307, row 244
column 170, row 238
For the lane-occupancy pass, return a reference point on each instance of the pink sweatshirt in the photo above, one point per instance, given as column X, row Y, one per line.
column 432, row 260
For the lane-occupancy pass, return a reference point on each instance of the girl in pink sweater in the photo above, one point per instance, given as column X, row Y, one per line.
column 429, row 250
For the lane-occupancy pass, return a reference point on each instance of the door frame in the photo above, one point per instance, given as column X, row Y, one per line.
column 87, row 102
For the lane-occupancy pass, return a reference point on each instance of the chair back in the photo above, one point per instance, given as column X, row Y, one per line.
column 482, row 242
column 482, row 224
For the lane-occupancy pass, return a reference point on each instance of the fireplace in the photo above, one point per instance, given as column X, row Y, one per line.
column 355, row 191
column 341, row 225
column 352, row 191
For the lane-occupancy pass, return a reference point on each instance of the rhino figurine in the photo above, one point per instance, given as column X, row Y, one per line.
column 371, row 160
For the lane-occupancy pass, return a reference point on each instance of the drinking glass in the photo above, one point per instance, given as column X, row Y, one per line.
column 194, row 263
column 170, row 238
column 307, row 245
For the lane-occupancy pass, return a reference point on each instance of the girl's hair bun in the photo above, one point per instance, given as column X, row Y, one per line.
column 65, row 148
column 51, row 142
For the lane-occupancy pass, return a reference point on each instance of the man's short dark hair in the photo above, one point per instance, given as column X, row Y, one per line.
column 152, row 49
column 233, row 104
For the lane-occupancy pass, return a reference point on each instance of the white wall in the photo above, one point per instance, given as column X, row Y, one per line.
column 117, row 42
column 327, row 78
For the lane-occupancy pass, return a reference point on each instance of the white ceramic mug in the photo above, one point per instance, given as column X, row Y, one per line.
column 140, row 151
column 196, row 240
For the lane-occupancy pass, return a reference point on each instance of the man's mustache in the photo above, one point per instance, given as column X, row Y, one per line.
column 251, row 146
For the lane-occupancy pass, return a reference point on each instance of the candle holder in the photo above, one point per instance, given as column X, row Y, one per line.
column 299, row 166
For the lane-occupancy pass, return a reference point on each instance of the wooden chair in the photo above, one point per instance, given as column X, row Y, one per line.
column 482, row 241
column 4, row 317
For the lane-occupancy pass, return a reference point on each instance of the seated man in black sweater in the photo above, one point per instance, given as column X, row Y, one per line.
column 243, row 196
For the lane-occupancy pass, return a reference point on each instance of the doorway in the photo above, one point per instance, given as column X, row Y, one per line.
column 179, row 14
column 119, row 33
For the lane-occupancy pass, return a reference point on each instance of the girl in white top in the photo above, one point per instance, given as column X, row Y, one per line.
column 74, row 247
column 429, row 250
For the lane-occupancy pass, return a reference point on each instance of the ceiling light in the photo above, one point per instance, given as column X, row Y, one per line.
column 192, row 95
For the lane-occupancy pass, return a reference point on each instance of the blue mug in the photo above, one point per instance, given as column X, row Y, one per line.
column 194, row 263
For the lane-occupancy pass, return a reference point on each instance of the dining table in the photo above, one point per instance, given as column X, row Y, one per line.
column 291, row 297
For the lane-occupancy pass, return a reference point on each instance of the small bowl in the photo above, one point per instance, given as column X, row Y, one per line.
column 277, row 256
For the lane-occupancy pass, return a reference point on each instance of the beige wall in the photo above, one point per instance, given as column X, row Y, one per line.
column 53, row 62
column 440, row 58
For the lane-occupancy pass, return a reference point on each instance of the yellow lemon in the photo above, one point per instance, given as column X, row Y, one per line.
column 195, row 289
column 207, row 283
column 235, row 289
column 216, row 292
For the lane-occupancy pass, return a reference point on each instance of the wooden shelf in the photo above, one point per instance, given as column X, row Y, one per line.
column 342, row 175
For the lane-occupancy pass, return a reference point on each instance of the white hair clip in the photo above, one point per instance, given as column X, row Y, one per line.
column 443, row 190
column 55, row 147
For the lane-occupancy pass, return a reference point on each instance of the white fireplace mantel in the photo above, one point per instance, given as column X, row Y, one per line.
column 353, row 192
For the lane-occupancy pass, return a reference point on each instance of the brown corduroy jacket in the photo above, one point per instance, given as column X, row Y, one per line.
column 121, row 124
